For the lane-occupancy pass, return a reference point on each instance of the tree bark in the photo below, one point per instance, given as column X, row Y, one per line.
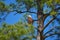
column 40, row 22
column 40, row 27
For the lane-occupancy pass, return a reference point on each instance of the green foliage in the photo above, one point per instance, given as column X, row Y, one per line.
column 4, row 7
column 29, row 3
column 18, row 0
column 52, row 2
column 53, row 13
column 14, row 31
column 57, row 1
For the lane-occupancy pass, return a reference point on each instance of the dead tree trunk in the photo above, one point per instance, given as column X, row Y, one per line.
column 40, row 26
column 40, row 22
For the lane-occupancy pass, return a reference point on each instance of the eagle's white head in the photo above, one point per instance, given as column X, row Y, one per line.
column 29, row 16
column 30, row 20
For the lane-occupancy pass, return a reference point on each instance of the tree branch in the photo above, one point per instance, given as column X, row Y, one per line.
column 45, row 16
column 48, row 23
column 57, row 8
column 4, row 16
column 51, row 35
column 22, row 12
column 49, row 31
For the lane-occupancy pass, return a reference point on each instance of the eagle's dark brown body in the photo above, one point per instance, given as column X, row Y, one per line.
column 30, row 20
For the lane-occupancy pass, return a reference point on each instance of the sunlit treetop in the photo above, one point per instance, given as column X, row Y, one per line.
column 18, row 6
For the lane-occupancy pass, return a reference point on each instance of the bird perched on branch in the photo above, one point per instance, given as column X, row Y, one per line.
column 30, row 20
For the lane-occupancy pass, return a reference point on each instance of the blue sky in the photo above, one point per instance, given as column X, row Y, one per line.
column 12, row 19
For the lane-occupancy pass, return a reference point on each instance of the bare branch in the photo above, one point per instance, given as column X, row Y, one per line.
column 49, row 31
column 57, row 8
column 22, row 12
column 51, row 35
column 5, row 16
column 45, row 16
column 49, row 23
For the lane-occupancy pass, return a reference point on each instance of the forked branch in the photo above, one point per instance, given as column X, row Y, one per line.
column 49, row 31
column 48, row 23
column 51, row 35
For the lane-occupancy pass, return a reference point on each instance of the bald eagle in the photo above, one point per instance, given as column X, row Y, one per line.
column 30, row 20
